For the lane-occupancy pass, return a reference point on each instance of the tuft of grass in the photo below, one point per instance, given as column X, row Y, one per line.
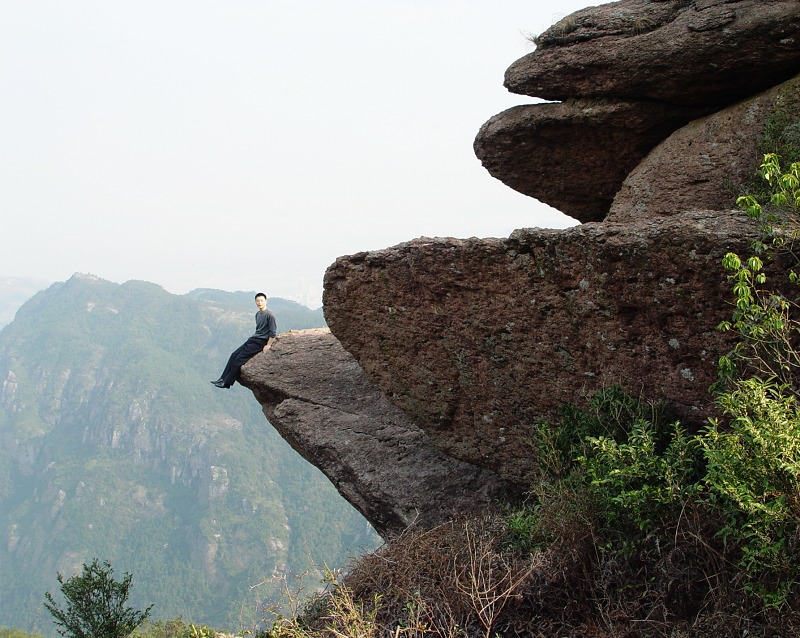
column 640, row 25
column 557, row 34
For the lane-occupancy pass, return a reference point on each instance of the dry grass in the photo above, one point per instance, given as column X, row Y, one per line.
column 468, row 580
column 464, row 580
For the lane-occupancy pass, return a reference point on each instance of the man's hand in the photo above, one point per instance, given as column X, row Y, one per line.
column 266, row 347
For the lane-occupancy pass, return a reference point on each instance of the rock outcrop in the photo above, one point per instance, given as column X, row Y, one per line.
column 708, row 162
column 575, row 155
column 458, row 347
column 318, row 398
column 630, row 73
column 478, row 339
column 710, row 52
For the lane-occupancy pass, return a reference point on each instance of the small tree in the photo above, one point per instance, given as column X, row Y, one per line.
column 95, row 604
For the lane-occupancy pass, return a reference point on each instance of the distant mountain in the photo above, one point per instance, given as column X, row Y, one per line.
column 113, row 444
column 14, row 291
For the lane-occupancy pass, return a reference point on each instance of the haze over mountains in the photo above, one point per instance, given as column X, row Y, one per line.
column 114, row 445
column 14, row 291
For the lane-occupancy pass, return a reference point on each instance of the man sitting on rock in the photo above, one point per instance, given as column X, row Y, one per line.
column 261, row 341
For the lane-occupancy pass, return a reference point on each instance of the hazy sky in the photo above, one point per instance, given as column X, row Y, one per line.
column 245, row 144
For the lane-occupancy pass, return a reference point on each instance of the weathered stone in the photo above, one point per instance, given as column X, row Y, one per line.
column 477, row 339
column 707, row 163
column 574, row 155
column 463, row 345
column 317, row 396
column 712, row 53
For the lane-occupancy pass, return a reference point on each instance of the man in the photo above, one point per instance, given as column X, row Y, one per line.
column 261, row 341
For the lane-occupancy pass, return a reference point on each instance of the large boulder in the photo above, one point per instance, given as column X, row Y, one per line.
column 478, row 339
column 698, row 52
column 710, row 161
column 630, row 73
column 575, row 155
column 316, row 395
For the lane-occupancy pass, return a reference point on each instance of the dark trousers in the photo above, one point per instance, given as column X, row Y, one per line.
column 239, row 357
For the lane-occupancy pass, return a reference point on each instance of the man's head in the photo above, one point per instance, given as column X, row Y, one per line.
column 261, row 301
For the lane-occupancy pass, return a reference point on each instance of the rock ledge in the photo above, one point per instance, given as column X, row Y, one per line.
column 317, row 396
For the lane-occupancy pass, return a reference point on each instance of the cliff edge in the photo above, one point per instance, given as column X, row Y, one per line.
column 318, row 397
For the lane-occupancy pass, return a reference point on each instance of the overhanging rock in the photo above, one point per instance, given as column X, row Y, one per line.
column 317, row 396
column 712, row 52
column 574, row 155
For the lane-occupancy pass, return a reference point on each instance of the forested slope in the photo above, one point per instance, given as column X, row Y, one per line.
column 113, row 444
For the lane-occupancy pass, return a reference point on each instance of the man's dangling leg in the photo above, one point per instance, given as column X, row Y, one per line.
column 242, row 355
column 226, row 373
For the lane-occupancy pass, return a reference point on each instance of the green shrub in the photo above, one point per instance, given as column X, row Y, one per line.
column 753, row 479
column 95, row 604
column 753, row 454
column 611, row 412
column 645, row 479
column 618, row 460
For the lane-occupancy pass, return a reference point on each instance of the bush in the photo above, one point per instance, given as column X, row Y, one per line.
column 753, row 479
column 619, row 460
column 753, row 454
column 645, row 479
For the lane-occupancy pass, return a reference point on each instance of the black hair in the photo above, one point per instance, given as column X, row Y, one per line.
column 260, row 294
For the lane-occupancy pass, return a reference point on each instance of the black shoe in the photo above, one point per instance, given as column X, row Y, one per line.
column 219, row 383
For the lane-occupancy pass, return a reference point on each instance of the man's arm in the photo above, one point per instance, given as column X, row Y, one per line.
column 273, row 331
